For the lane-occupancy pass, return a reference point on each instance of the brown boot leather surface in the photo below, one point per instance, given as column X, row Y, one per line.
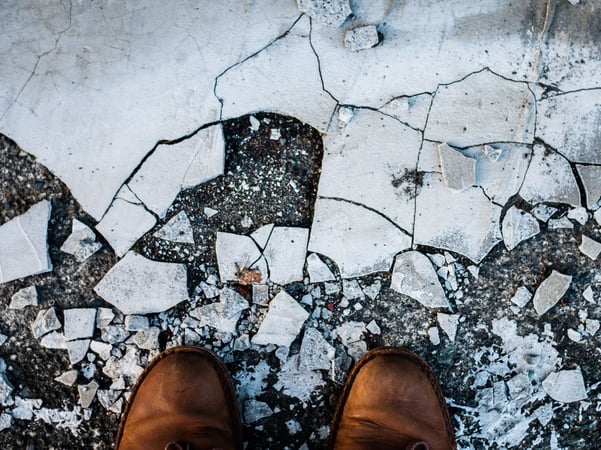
column 392, row 400
column 184, row 397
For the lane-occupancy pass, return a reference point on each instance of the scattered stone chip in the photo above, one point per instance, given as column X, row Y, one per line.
column 448, row 323
column 315, row 352
column 282, row 323
column 434, row 335
column 518, row 225
column 255, row 410
column 550, row 291
column 87, row 393
column 81, row 243
column 45, row 322
column 361, row 38
column 521, row 297
column 79, row 323
column 414, row 276
column 332, row 13
column 67, row 378
column 24, row 297
column 590, row 247
column 136, row 322
column 565, row 386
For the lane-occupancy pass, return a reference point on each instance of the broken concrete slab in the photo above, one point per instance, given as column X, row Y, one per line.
column 383, row 182
column 135, row 322
column 282, row 323
column 331, row 13
column 549, row 179
column 279, row 78
column 413, row 275
column 590, row 247
column 234, row 253
column 67, row 378
column 441, row 219
column 448, row 323
column 223, row 315
column 361, row 38
column 81, row 243
column 54, row 340
column 79, row 323
column 173, row 167
column 318, row 270
column 458, row 170
column 87, row 393
column 178, row 229
column 568, row 122
column 23, row 244
column 591, row 179
column 285, row 254
column 550, row 291
column 315, row 353
column 24, row 297
column 45, row 322
column 124, row 223
column 475, row 111
column 137, row 285
column 518, row 226
column 357, row 239
column 77, row 350
column 565, row 386
column 412, row 111
column 261, row 235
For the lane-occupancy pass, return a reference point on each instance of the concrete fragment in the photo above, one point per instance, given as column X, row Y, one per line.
column 285, row 253
column 260, row 294
column 223, row 315
column 137, row 285
column 574, row 335
column 255, row 410
column 123, row 224
column 414, row 276
column 565, row 386
column 173, row 167
column 54, row 340
column 113, row 334
column 410, row 110
column 101, row 349
column 87, row 393
column 358, row 240
column 550, row 291
column 331, row 13
column 24, row 297
column 458, row 171
column 6, row 421
column 475, row 111
column 147, row 339
column 77, row 350
column 561, row 223
column 107, row 397
column 294, row 382
column 178, row 229
column 67, row 378
column 104, row 316
column 79, row 323
column 45, row 322
column 361, row 38
column 592, row 326
column 234, row 253
column 434, row 335
column 590, row 247
column 23, row 246
column 588, row 295
column 81, row 243
column 543, row 212
column 448, row 323
column 261, row 235
column 318, row 270
column 135, row 322
column 597, row 216
column 315, row 352
column 254, row 123
column 591, row 179
column 518, row 225
column 282, row 323
column 6, row 388
column 373, row 327
column 549, row 179
column 579, row 214
column 351, row 334
column 521, row 297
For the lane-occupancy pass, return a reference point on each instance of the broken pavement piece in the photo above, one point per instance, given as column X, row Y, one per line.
column 332, row 12
column 361, row 38
column 261, row 235
column 87, row 393
column 434, row 335
column 475, row 111
column 543, row 212
column 521, row 297
column 54, row 340
column 590, row 247
column 413, row 275
column 45, row 322
column 178, row 229
column 410, row 110
column 77, row 350
column 549, row 179
column 81, row 243
column 458, row 170
column 104, row 316
column 24, row 297
column 579, row 214
column 124, row 223
column 448, row 323
column 591, row 179
column 518, row 225
column 294, row 382
column 315, row 352
column 23, row 244
column 285, row 254
column 318, row 270
column 282, row 323
column 351, row 334
column 561, row 223
column 222, row 315
column 358, row 240
column 79, row 323
column 550, row 291
column 236, row 252
column 254, row 410
column 565, row 386
column 137, row 285
column 67, row 378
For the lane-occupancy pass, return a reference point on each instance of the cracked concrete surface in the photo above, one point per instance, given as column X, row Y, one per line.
column 294, row 166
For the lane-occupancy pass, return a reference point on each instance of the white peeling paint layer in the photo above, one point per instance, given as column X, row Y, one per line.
column 282, row 323
column 137, row 285
column 23, row 246
column 565, row 386
column 414, row 275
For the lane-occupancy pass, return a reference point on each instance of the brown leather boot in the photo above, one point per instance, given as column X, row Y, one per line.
column 392, row 400
column 184, row 399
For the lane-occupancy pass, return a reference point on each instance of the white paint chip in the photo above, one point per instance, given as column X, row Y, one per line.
column 24, row 297
column 261, row 235
column 413, row 275
column 521, row 297
column 81, row 243
column 77, row 350
column 282, row 323
column 458, row 170
column 565, row 386
column 448, row 323
column 178, row 229
column 590, row 247
column 235, row 252
column 79, row 323
column 318, row 270
column 137, row 285
column 315, row 352
column 550, row 291
column 518, row 226
column 45, row 322
column 285, row 254
column 23, row 246
column 222, row 315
